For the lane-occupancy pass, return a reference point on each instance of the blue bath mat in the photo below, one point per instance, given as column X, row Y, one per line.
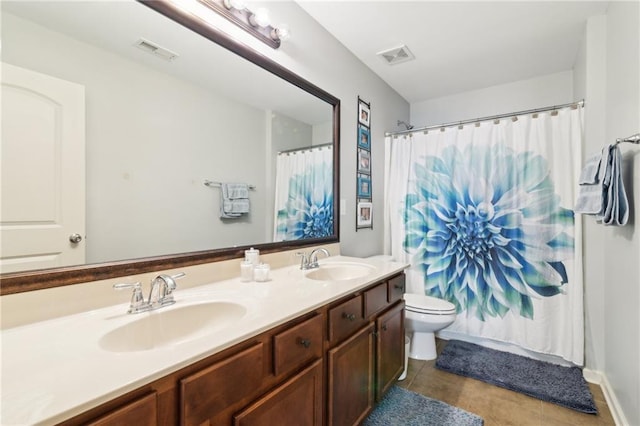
column 406, row 408
column 560, row 385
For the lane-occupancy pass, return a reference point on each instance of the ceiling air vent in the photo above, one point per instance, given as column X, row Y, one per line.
column 153, row 48
column 396, row 55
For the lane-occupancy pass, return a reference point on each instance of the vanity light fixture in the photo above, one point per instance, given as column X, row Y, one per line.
column 256, row 23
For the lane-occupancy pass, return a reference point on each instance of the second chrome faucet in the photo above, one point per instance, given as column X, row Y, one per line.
column 311, row 261
column 160, row 294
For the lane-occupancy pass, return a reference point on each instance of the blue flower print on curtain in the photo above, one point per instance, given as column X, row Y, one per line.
column 309, row 208
column 487, row 230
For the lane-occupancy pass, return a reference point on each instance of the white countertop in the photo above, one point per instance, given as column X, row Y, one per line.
column 53, row 370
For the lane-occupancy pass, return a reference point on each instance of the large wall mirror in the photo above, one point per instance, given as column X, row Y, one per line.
column 162, row 109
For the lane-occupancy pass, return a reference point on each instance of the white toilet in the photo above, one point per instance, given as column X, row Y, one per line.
column 424, row 316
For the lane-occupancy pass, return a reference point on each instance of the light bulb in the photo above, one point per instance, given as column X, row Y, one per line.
column 235, row 4
column 282, row 33
column 260, row 17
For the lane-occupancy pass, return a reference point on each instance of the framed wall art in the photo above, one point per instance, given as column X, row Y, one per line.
column 364, row 192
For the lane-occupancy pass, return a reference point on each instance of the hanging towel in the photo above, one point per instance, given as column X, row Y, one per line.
column 234, row 200
column 601, row 190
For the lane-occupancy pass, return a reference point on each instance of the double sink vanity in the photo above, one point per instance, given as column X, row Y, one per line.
column 305, row 348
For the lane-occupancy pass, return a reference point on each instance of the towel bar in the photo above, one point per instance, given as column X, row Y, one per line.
column 631, row 139
column 217, row 184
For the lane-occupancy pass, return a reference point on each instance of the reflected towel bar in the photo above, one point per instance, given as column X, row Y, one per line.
column 218, row 184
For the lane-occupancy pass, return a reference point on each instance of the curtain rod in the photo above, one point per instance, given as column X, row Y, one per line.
column 287, row 151
column 492, row 117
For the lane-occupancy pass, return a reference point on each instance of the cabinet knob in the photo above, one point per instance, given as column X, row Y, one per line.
column 384, row 327
column 350, row 317
column 305, row 342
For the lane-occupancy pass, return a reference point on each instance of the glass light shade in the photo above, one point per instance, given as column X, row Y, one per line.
column 281, row 32
column 260, row 17
column 235, row 4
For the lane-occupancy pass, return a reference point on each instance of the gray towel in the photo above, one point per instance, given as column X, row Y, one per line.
column 234, row 200
column 601, row 190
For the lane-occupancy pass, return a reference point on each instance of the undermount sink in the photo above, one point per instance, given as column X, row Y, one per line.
column 339, row 271
column 172, row 326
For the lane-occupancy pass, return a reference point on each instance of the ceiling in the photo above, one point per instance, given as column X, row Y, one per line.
column 458, row 46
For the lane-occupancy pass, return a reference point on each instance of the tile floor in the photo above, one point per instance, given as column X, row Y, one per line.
column 497, row 406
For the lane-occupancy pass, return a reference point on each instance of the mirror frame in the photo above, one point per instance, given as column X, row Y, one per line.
column 18, row 282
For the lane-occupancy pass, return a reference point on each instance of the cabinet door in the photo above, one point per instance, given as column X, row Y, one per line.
column 389, row 348
column 296, row 402
column 350, row 390
column 140, row 412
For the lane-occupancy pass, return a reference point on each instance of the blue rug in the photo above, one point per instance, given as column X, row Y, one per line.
column 405, row 408
column 560, row 385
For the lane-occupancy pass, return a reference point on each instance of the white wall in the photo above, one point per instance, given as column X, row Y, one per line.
column 589, row 84
column 607, row 73
column 621, row 246
column 543, row 91
column 145, row 195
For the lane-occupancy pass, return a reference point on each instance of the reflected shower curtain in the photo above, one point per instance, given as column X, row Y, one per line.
column 483, row 214
column 304, row 194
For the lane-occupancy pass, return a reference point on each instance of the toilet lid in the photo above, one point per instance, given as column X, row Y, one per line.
column 428, row 305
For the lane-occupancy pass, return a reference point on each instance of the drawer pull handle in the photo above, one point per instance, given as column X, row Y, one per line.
column 305, row 342
column 350, row 317
column 384, row 327
column 398, row 286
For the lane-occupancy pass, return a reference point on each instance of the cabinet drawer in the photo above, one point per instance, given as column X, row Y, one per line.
column 297, row 345
column 396, row 288
column 139, row 412
column 205, row 395
column 375, row 299
column 345, row 318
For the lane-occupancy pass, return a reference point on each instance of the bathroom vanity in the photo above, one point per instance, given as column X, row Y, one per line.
column 300, row 353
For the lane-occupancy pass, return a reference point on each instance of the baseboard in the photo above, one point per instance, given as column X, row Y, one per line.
column 598, row 378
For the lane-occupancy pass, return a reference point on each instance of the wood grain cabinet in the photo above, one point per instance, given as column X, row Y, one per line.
column 141, row 411
column 327, row 367
column 362, row 367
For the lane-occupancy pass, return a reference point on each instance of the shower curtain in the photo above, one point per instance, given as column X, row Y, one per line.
column 483, row 214
column 304, row 194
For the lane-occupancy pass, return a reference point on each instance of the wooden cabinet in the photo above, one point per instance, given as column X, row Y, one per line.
column 389, row 348
column 328, row 366
column 350, row 367
column 297, row 402
column 361, row 368
column 207, row 395
column 141, row 411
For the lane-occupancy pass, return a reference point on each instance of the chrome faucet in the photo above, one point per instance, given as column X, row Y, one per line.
column 161, row 293
column 311, row 261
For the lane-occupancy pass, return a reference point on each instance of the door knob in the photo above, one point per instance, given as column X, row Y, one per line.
column 75, row 238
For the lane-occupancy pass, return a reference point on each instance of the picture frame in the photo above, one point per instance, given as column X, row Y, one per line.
column 365, row 214
column 364, row 161
column 364, row 186
column 364, row 137
column 364, row 114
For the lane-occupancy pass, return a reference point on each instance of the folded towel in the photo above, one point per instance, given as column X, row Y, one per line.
column 601, row 190
column 234, row 200
column 235, row 190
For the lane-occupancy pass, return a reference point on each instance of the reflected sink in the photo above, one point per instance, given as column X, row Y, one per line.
column 161, row 328
column 340, row 271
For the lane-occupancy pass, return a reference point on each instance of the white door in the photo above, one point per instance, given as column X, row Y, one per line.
column 42, row 160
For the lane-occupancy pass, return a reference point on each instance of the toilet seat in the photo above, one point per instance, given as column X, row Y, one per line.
column 422, row 304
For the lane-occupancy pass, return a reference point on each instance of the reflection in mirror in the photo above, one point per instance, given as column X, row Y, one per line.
column 156, row 111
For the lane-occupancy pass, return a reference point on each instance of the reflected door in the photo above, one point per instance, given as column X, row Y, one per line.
column 42, row 212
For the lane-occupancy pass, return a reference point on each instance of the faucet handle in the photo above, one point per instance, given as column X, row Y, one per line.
column 137, row 299
column 304, row 261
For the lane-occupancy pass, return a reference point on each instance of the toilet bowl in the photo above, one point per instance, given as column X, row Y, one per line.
column 424, row 316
